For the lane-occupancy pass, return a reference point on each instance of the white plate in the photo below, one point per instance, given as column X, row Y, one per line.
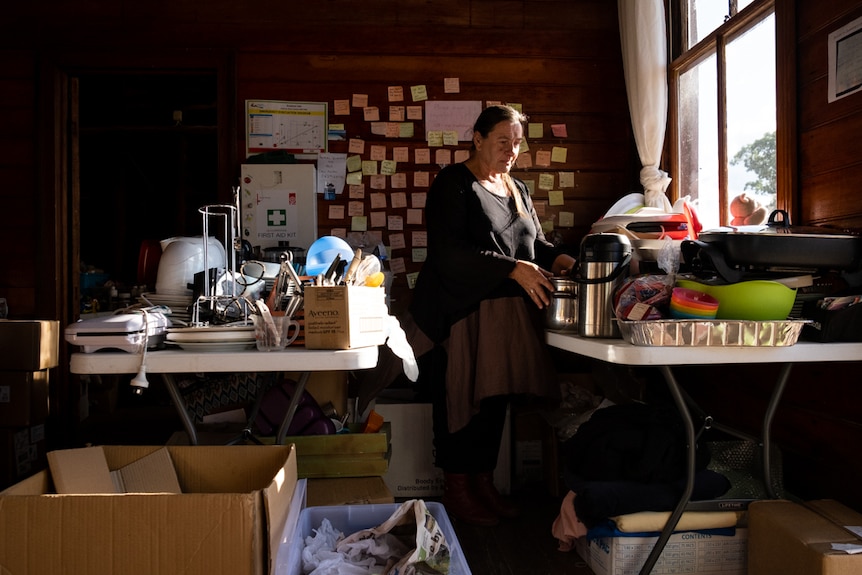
column 215, row 346
column 216, row 334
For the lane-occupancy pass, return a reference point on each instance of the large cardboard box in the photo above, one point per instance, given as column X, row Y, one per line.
column 686, row 552
column 344, row 317
column 228, row 518
column 411, row 471
column 797, row 539
column 29, row 345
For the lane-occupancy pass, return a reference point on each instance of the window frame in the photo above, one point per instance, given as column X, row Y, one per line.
column 785, row 92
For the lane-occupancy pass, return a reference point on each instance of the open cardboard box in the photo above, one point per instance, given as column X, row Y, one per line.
column 228, row 517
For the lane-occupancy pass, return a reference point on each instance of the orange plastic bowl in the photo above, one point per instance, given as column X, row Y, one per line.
column 692, row 304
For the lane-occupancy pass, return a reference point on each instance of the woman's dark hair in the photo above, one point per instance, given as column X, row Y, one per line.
column 493, row 115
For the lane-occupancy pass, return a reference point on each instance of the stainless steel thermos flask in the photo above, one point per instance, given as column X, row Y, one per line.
column 602, row 266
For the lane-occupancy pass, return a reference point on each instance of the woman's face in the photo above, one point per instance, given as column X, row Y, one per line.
column 500, row 149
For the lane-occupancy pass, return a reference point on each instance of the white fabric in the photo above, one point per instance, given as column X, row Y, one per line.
column 644, row 47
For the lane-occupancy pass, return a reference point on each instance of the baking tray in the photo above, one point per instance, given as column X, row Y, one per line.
column 711, row 333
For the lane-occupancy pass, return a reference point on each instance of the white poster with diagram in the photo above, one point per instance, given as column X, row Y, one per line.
column 278, row 203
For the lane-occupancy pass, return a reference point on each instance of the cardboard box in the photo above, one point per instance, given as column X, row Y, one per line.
column 343, row 454
column 411, row 470
column 347, row 491
column 686, row 552
column 228, row 518
column 23, row 398
column 792, row 538
column 344, row 317
column 29, row 345
column 352, row 518
column 22, row 452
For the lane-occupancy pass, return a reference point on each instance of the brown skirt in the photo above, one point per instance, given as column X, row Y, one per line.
column 497, row 350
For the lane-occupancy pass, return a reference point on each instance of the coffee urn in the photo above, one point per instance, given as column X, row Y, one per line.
column 602, row 266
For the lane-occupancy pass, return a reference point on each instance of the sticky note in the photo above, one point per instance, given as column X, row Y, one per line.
column 395, row 93
column 555, row 198
column 371, row 113
column 567, row 219
column 559, row 130
column 341, row 107
column 354, row 163
column 451, row 85
column 543, row 158
column 558, row 154
column 419, row 93
column 546, row 181
column 359, row 223
column 360, row 100
column 397, row 242
column 535, row 130
column 369, row 167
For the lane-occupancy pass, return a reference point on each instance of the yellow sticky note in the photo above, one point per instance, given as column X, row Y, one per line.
column 559, row 154
column 359, row 223
column 555, row 198
column 388, row 167
column 567, row 179
column 411, row 279
column 524, row 147
column 547, row 226
column 419, row 93
column 450, row 138
column 354, row 163
column 405, row 130
column 369, row 167
column 546, row 181
column 354, row 179
column 567, row 219
column 535, row 130
column 435, row 138
column 420, row 254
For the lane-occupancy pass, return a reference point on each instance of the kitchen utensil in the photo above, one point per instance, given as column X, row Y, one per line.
column 562, row 313
column 776, row 246
column 602, row 266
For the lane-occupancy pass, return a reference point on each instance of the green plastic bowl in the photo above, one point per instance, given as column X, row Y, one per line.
column 755, row 300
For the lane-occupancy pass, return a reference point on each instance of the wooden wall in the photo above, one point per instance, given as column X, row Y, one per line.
column 830, row 166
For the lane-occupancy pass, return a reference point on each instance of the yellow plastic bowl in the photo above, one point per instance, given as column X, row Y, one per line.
column 755, row 300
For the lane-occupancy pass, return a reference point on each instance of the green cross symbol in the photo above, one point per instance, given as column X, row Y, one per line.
column 276, row 218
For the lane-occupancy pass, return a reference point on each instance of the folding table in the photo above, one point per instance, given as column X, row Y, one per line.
column 619, row 351
column 173, row 361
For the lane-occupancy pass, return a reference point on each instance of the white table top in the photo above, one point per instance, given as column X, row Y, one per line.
column 621, row 352
column 252, row 360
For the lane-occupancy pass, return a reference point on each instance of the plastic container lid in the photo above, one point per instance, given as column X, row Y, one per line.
column 322, row 253
column 605, row 247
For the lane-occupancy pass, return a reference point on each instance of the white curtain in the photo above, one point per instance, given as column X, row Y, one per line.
column 644, row 46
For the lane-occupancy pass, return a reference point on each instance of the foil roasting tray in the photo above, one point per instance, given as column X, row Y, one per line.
column 711, row 333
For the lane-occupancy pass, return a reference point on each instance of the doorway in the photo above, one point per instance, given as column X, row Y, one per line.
column 147, row 152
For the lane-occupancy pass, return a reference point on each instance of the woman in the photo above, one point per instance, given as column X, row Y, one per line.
column 479, row 301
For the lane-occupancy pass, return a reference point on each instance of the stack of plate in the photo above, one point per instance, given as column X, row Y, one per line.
column 180, row 305
column 213, row 338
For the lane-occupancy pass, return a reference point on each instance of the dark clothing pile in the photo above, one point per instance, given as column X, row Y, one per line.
column 633, row 457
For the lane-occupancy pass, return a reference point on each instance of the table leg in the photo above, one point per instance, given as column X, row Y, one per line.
column 291, row 409
column 783, row 376
column 180, row 406
column 672, row 521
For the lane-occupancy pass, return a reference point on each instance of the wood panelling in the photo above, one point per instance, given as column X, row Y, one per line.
column 828, row 161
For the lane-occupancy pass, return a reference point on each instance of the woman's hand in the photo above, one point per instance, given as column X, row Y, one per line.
column 535, row 282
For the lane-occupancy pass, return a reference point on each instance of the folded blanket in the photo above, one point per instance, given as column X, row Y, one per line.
column 688, row 521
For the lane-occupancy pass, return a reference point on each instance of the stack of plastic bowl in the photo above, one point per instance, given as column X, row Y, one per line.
column 692, row 304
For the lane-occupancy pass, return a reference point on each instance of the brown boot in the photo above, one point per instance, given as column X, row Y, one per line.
column 459, row 501
column 483, row 487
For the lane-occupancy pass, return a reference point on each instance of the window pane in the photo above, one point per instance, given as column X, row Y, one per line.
column 704, row 16
column 698, row 140
column 751, row 113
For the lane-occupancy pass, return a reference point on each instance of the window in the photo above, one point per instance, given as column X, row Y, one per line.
column 723, row 105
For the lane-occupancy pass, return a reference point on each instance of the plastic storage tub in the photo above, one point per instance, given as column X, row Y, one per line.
column 351, row 518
